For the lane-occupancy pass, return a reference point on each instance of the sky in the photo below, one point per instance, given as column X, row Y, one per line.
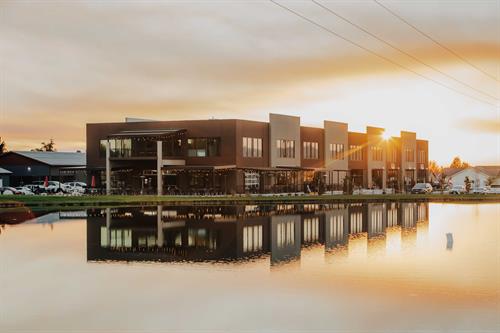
column 65, row 64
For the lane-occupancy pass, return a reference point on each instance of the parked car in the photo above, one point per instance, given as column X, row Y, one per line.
column 78, row 187
column 457, row 189
column 421, row 188
column 24, row 190
column 480, row 190
column 77, row 184
column 53, row 186
column 9, row 191
column 494, row 190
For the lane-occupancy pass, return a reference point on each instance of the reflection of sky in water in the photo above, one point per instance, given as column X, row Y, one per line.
column 318, row 276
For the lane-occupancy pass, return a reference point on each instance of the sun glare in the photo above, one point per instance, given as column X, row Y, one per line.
column 386, row 136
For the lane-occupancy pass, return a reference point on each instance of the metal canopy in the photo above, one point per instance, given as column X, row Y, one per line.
column 154, row 133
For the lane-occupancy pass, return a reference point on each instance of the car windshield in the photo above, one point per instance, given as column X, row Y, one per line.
column 420, row 185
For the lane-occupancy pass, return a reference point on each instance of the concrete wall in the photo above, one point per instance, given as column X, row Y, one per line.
column 283, row 127
column 374, row 139
column 408, row 140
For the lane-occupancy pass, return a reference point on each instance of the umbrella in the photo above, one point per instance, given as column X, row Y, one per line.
column 46, row 182
column 92, row 183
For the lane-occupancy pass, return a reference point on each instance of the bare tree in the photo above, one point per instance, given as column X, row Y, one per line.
column 49, row 146
column 3, row 146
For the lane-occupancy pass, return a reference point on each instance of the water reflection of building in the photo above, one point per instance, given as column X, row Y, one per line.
column 285, row 237
column 336, row 226
column 238, row 232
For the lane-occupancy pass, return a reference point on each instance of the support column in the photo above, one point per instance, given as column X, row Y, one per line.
column 108, row 169
column 108, row 227
column 384, row 177
column 159, row 164
column 159, row 226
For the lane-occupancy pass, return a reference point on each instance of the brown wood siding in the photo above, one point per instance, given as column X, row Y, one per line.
column 312, row 134
column 358, row 139
column 252, row 129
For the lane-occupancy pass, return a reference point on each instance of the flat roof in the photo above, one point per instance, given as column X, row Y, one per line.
column 148, row 133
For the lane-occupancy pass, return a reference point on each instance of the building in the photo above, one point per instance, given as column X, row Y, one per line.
column 480, row 175
column 29, row 166
column 5, row 177
column 242, row 156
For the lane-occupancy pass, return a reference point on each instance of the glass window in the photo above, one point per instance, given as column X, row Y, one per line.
column 376, row 152
column 102, row 148
column 203, row 147
column 355, row 153
column 285, row 148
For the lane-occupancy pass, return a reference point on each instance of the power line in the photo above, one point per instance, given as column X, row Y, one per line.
column 377, row 54
column 401, row 50
column 435, row 41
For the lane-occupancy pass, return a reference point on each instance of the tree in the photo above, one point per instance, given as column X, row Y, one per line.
column 49, row 146
column 468, row 184
column 457, row 163
column 435, row 168
column 3, row 146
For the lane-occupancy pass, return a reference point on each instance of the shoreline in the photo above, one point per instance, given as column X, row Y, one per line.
column 147, row 200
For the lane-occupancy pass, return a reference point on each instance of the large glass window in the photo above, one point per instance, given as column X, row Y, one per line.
column 119, row 147
column 285, row 232
column 172, row 147
column 376, row 152
column 409, row 155
column 252, row 238
column 203, row 147
column 421, row 156
column 310, row 150
column 252, row 147
column 285, row 148
column 102, row 148
column 337, row 151
column 355, row 153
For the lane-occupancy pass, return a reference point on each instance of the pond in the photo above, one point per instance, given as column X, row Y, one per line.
column 285, row 267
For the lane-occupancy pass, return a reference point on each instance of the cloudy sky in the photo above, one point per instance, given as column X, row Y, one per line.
column 65, row 64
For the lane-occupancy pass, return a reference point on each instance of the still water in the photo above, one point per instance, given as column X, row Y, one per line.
column 357, row 267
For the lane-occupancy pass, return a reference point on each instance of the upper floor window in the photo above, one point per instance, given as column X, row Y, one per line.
column 203, row 147
column 409, row 155
column 285, row 148
column 310, row 150
column 337, row 151
column 376, row 152
column 252, row 147
column 392, row 155
column 102, row 148
column 421, row 156
column 355, row 153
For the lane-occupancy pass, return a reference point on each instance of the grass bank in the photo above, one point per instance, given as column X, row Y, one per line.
column 123, row 200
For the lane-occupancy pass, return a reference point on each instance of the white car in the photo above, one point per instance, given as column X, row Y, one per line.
column 457, row 189
column 494, row 190
column 24, row 190
column 79, row 187
column 480, row 190
column 53, row 186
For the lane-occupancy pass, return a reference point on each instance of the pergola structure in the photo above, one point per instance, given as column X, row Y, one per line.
column 140, row 145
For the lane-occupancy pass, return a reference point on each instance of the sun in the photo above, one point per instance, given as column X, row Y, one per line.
column 386, row 136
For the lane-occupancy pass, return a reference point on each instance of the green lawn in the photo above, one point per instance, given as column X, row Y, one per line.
column 10, row 200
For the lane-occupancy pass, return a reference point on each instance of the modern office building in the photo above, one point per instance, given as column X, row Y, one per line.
column 242, row 156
